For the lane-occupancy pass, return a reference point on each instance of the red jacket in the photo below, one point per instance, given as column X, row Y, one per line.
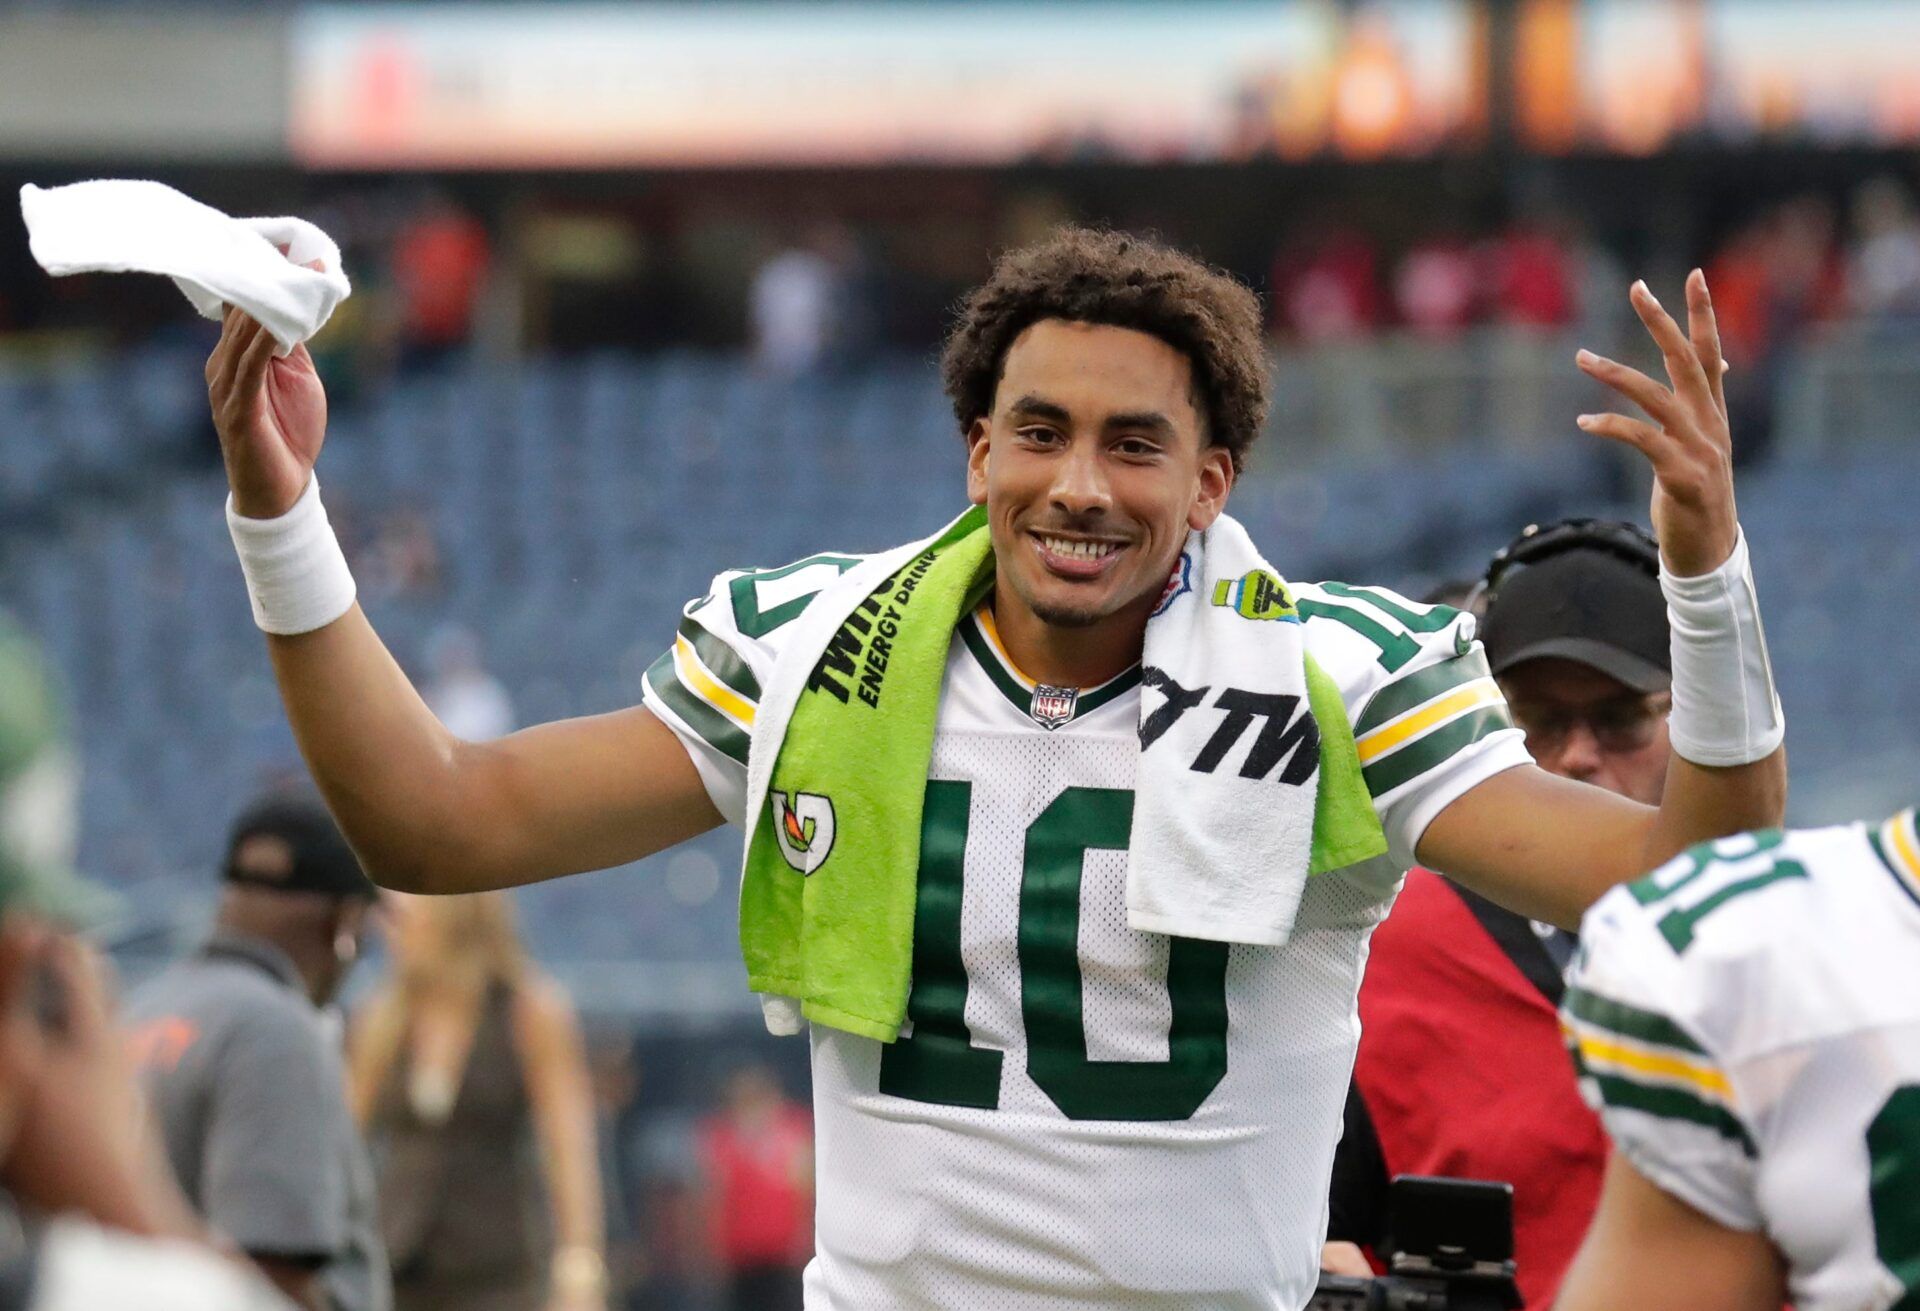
column 1463, row 1071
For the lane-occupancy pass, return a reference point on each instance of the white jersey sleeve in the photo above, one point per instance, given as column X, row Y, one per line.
column 1428, row 719
column 706, row 687
column 1632, row 1017
column 1746, row 1020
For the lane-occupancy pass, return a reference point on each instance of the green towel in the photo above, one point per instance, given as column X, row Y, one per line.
column 850, row 780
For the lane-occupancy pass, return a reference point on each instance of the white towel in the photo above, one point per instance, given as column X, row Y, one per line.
column 1230, row 752
column 124, row 226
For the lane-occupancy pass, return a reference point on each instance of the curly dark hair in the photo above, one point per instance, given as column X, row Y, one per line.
column 1089, row 275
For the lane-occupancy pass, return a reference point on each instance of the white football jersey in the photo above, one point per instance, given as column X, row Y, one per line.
column 1079, row 1114
column 1746, row 1020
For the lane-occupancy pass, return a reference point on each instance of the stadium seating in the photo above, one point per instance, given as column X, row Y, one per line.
column 576, row 504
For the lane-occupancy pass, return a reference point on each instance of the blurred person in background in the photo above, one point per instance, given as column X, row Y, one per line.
column 1325, row 287
column 757, row 1154
column 1435, row 286
column 402, row 556
column 803, row 303
column 470, row 1075
column 1530, row 276
column 469, row 700
column 90, row 1217
column 1462, row 1070
column 243, row 1064
column 1883, row 276
column 619, row 1123
column 1774, row 280
column 438, row 267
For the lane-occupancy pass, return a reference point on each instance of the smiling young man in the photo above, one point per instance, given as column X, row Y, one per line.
column 1076, row 1112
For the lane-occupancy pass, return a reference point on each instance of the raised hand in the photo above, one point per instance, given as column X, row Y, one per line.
column 1688, row 442
column 271, row 415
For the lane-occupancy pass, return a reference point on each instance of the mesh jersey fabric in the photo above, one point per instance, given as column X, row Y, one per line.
column 1068, row 1091
column 1747, row 1021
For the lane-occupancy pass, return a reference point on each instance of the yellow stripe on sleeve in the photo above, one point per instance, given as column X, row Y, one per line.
column 1398, row 732
column 708, row 688
column 1899, row 839
column 1607, row 1055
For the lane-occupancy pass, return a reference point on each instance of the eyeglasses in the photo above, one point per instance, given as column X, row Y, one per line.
column 1619, row 726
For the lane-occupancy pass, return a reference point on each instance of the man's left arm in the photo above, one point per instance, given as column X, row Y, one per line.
column 1548, row 847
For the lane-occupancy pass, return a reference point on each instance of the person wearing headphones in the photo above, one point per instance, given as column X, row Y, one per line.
column 1462, row 1070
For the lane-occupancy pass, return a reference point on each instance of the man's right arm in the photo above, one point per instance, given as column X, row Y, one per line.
column 428, row 812
column 425, row 811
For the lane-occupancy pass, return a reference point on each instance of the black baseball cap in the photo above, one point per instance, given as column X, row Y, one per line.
column 1591, row 605
column 288, row 841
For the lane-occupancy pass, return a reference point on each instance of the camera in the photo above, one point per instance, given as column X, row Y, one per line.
column 1452, row 1250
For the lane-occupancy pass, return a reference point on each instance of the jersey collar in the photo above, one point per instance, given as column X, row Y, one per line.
column 1897, row 843
column 1050, row 707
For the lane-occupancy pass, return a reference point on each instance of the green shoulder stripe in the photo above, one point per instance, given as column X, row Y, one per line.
column 720, row 659
column 1437, row 747
column 1629, row 1021
column 1402, row 695
column 719, row 732
column 1671, row 1104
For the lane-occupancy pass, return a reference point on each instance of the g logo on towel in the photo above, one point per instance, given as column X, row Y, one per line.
column 803, row 827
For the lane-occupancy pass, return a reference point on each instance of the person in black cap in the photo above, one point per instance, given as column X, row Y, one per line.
column 244, row 1068
column 1576, row 632
column 1461, row 1069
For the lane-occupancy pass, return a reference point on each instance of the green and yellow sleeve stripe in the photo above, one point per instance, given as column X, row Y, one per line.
column 1897, row 843
column 708, row 687
column 1642, row 1061
column 1423, row 720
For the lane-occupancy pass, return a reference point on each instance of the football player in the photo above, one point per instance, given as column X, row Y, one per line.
column 1746, row 1020
column 1082, row 1114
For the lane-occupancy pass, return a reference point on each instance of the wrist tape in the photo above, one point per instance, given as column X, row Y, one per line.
column 1726, row 710
column 297, row 577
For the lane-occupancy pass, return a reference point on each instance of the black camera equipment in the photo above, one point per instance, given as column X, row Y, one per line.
column 1452, row 1245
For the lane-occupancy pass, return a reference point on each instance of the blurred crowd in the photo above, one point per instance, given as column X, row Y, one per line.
column 1788, row 269
column 436, row 274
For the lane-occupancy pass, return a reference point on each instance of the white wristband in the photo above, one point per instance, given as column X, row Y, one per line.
column 297, row 577
column 1726, row 710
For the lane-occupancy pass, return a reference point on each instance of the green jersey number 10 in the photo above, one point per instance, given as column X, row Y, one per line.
column 939, row 1062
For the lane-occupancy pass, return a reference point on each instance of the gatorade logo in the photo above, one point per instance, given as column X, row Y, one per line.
column 1256, row 595
column 803, row 828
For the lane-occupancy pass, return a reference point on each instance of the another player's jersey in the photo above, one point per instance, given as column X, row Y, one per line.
column 1747, row 1021
column 1079, row 1114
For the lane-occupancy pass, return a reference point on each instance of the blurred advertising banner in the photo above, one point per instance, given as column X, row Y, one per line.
column 864, row 81
column 1638, row 76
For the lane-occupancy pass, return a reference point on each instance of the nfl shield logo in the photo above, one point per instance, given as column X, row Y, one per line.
column 1053, row 706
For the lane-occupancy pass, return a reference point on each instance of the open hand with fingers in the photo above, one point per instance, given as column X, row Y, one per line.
column 271, row 414
column 1684, row 436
